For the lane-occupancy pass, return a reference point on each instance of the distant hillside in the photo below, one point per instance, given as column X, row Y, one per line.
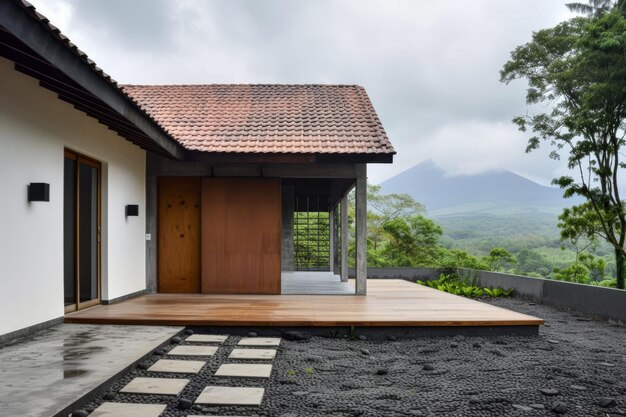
column 500, row 192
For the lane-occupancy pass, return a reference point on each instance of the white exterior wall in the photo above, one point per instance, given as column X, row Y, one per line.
column 35, row 127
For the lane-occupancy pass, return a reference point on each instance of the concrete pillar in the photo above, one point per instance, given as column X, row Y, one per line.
column 287, row 210
column 335, row 240
column 344, row 239
column 331, row 238
column 361, row 230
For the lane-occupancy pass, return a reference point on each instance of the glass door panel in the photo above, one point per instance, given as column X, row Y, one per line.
column 88, row 232
column 81, row 232
column 69, row 232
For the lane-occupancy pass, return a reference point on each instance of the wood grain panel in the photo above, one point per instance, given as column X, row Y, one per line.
column 388, row 303
column 179, row 235
column 240, row 236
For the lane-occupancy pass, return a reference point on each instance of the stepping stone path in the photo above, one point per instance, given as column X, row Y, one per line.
column 231, row 396
column 199, row 345
column 128, row 410
column 259, row 341
column 162, row 386
column 206, row 338
column 177, row 366
column 253, row 354
column 193, row 350
column 244, row 370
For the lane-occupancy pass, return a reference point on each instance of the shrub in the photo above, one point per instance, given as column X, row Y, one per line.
column 453, row 284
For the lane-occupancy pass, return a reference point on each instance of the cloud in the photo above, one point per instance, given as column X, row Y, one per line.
column 430, row 68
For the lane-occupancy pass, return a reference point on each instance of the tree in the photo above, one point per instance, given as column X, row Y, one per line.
column 385, row 208
column 595, row 266
column 413, row 241
column 574, row 273
column 456, row 258
column 577, row 70
column 592, row 8
column 579, row 227
column 529, row 262
column 499, row 259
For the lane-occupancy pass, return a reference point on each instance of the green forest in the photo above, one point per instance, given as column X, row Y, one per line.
column 400, row 234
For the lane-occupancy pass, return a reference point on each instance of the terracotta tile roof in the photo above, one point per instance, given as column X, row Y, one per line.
column 325, row 119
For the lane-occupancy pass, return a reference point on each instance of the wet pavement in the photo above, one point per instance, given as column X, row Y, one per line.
column 43, row 373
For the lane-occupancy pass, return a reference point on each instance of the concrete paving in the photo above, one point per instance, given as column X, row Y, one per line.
column 206, row 338
column 231, row 396
column 128, row 410
column 259, row 341
column 253, row 354
column 44, row 373
column 188, row 350
column 159, row 386
column 244, row 370
column 314, row 283
column 177, row 366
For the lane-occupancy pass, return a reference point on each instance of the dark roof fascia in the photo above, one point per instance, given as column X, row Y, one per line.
column 16, row 20
column 286, row 158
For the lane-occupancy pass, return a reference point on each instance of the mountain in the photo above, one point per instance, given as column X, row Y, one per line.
column 496, row 193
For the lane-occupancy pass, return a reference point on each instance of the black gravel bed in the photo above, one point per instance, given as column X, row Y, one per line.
column 575, row 367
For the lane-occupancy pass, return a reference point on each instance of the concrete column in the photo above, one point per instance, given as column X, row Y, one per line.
column 344, row 239
column 331, row 238
column 361, row 230
column 151, row 222
column 335, row 240
column 287, row 249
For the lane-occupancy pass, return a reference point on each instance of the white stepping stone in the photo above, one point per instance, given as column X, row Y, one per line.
column 261, row 354
column 207, row 338
column 177, row 366
column 231, row 396
column 128, row 410
column 162, row 386
column 193, row 350
column 244, row 370
column 259, row 341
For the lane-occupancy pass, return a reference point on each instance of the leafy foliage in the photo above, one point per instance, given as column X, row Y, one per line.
column 453, row 284
column 311, row 229
column 577, row 70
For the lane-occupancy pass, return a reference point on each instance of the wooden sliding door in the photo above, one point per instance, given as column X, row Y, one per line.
column 240, row 236
column 179, row 234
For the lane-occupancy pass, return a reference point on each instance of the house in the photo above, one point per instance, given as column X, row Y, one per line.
column 110, row 191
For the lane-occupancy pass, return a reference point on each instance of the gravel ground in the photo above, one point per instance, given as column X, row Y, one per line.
column 579, row 363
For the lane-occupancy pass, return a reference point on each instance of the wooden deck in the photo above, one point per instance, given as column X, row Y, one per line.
column 388, row 303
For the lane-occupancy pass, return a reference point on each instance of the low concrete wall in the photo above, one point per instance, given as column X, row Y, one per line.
column 600, row 302
column 408, row 274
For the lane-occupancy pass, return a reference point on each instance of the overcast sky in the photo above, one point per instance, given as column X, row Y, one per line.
column 429, row 67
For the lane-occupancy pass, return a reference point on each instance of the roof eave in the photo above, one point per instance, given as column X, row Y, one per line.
column 287, row 158
column 16, row 20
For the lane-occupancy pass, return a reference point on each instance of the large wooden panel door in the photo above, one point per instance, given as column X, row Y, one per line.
column 179, row 235
column 241, row 236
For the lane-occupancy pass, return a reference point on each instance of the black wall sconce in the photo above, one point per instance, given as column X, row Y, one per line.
column 38, row 191
column 132, row 210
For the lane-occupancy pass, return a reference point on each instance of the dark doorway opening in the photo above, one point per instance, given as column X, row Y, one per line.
column 311, row 233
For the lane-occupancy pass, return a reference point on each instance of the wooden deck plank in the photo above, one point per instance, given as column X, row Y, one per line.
column 388, row 303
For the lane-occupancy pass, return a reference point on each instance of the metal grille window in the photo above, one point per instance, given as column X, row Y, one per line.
column 311, row 234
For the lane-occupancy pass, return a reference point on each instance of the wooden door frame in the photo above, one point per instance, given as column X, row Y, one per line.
column 85, row 160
